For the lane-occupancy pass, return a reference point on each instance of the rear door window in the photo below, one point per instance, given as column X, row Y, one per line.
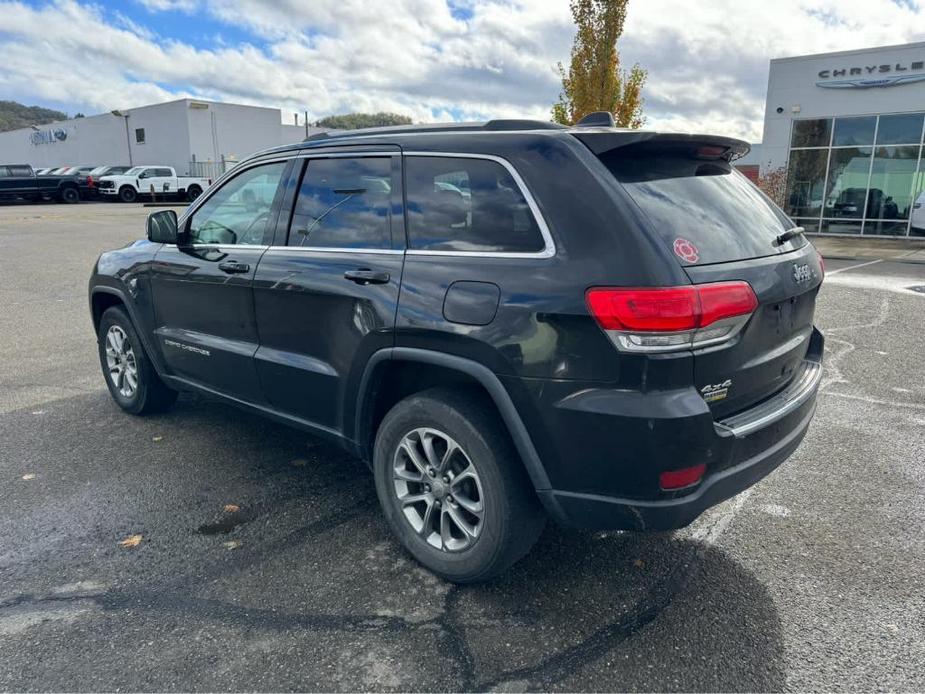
column 344, row 202
column 705, row 210
column 467, row 205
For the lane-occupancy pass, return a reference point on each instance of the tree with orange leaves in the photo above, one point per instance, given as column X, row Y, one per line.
column 594, row 81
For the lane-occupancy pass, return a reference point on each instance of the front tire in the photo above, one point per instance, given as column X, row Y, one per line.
column 130, row 376
column 128, row 194
column 452, row 487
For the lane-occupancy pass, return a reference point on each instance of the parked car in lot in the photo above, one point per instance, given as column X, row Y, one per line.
column 89, row 179
column 509, row 322
column 19, row 181
column 141, row 180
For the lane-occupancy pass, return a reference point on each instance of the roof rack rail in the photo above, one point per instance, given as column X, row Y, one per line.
column 501, row 124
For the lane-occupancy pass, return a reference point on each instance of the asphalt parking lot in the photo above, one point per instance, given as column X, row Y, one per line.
column 812, row 580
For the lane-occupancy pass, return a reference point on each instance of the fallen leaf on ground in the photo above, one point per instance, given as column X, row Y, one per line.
column 298, row 462
column 231, row 544
column 131, row 541
column 28, row 476
column 639, row 563
column 232, row 508
column 157, row 438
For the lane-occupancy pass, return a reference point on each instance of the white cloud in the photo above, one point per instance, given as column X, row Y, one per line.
column 707, row 62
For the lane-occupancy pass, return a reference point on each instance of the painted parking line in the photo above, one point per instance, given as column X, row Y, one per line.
column 853, row 267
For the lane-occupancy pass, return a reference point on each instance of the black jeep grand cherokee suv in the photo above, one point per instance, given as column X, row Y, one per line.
column 510, row 321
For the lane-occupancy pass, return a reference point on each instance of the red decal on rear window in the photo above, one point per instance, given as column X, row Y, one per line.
column 686, row 251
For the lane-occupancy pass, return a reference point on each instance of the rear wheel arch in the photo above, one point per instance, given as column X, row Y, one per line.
column 396, row 373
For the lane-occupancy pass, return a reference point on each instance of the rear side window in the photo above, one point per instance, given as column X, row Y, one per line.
column 704, row 209
column 344, row 203
column 463, row 204
column 20, row 171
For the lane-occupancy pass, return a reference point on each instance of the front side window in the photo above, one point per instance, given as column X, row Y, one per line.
column 344, row 203
column 465, row 204
column 238, row 213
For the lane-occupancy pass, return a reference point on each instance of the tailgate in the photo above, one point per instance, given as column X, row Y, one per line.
column 770, row 349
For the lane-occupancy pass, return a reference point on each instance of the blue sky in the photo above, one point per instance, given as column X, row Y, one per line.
column 429, row 59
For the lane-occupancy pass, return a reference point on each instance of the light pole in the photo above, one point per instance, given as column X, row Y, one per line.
column 128, row 140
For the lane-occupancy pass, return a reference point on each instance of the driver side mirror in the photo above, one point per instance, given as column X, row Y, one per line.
column 162, row 227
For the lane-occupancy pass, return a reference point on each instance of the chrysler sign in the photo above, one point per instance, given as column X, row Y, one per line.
column 45, row 137
column 867, row 76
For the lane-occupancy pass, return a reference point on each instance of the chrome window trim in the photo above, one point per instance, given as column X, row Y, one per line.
column 332, row 249
column 549, row 246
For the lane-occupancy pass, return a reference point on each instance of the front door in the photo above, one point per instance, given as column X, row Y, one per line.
column 203, row 287
column 326, row 300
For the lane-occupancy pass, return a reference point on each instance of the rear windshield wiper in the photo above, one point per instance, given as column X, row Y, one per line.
column 789, row 234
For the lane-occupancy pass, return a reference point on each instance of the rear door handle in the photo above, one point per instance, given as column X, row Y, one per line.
column 232, row 267
column 366, row 276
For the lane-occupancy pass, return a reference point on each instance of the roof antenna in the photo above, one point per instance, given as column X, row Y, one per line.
column 597, row 119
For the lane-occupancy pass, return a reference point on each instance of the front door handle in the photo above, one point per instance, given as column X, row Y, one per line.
column 366, row 276
column 232, row 267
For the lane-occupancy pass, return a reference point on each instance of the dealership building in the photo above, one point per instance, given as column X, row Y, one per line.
column 196, row 137
column 848, row 129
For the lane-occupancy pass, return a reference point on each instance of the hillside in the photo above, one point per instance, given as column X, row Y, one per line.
column 14, row 115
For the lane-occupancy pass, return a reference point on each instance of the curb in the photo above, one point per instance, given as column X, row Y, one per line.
column 865, row 258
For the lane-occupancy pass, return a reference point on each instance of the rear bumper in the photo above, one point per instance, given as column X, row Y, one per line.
column 672, row 433
column 603, row 512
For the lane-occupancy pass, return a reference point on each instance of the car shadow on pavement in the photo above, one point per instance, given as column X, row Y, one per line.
column 301, row 580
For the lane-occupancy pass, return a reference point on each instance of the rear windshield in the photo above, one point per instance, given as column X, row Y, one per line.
column 705, row 210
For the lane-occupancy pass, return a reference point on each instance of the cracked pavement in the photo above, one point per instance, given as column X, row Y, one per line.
column 810, row 581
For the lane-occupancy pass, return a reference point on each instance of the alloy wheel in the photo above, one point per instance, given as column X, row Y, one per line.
column 120, row 362
column 438, row 490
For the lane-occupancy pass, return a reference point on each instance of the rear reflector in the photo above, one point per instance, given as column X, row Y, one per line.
column 671, row 318
column 678, row 479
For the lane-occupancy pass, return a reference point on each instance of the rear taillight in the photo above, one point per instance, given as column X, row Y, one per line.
column 666, row 319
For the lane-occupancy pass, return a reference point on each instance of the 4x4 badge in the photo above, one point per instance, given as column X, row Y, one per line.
column 716, row 391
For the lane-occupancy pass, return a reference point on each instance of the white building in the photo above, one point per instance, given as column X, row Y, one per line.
column 191, row 135
column 848, row 128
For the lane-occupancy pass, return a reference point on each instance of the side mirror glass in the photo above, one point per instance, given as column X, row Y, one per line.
column 162, row 227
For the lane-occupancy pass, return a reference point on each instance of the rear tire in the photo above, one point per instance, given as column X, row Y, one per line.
column 130, row 376
column 478, row 514
column 70, row 195
column 193, row 192
column 128, row 194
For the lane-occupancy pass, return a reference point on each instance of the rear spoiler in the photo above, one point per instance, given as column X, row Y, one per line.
column 602, row 140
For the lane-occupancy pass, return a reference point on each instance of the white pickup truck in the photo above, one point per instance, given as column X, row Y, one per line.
column 139, row 180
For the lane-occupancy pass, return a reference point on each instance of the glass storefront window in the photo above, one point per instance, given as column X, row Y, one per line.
column 891, row 177
column 846, row 190
column 811, row 133
column 854, row 131
column 917, row 215
column 805, row 182
column 858, row 174
column 901, row 129
column 841, row 226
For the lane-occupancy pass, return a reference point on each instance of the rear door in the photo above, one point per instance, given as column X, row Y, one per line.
column 325, row 295
column 203, row 287
column 720, row 227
